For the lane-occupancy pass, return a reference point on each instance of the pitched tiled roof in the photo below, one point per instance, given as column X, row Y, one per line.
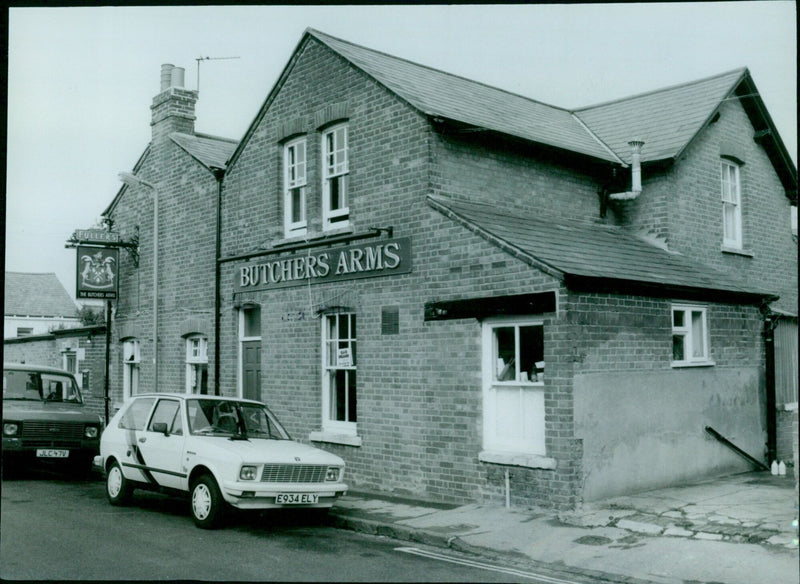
column 666, row 120
column 37, row 295
column 210, row 151
column 440, row 94
column 587, row 250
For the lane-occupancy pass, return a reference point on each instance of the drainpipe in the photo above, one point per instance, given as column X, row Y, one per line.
column 769, row 353
column 218, row 174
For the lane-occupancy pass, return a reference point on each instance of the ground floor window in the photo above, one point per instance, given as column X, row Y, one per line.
column 196, row 364
column 513, row 386
column 339, row 399
column 131, row 358
column 689, row 336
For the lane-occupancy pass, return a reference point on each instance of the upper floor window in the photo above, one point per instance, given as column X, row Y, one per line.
column 197, row 364
column 793, row 218
column 294, row 160
column 335, row 210
column 731, row 205
column 689, row 336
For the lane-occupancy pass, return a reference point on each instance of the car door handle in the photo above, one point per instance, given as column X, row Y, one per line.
column 143, row 439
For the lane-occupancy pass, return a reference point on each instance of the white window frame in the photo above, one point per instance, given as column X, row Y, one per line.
column 196, row 358
column 294, row 179
column 70, row 356
column 793, row 219
column 522, row 451
column 688, row 334
column 329, row 424
column 131, row 359
column 335, row 166
column 731, row 191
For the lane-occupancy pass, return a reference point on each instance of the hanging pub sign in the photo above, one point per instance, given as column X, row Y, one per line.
column 384, row 258
column 97, row 270
column 95, row 236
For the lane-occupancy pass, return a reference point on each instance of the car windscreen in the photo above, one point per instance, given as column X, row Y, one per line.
column 233, row 419
column 40, row 386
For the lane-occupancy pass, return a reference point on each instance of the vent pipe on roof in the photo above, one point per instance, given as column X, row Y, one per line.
column 636, row 173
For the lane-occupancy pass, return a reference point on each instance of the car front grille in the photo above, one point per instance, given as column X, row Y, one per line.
column 293, row 473
column 52, row 433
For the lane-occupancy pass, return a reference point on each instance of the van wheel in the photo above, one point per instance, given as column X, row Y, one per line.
column 207, row 505
column 118, row 488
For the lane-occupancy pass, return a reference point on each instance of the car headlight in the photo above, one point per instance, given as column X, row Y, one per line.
column 332, row 474
column 10, row 429
column 91, row 431
column 248, row 472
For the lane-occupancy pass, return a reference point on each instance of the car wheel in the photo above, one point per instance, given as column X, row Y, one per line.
column 208, row 506
column 118, row 488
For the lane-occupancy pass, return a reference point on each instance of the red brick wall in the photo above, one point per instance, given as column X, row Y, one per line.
column 472, row 166
column 419, row 392
column 187, row 211
column 684, row 205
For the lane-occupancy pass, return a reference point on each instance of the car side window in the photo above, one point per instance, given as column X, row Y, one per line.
column 168, row 412
column 135, row 416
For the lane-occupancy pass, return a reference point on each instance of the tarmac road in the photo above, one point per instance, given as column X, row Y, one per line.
column 56, row 527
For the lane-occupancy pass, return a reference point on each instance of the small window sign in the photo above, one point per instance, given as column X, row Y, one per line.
column 344, row 358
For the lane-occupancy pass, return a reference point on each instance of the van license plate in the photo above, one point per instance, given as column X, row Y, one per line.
column 50, row 453
column 296, row 498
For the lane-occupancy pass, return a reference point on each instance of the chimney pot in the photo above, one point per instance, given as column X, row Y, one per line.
column 166, row 75
column 177, row 76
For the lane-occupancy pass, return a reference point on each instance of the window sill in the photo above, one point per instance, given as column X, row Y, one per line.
column 293, row 239
column 736, row 251
column 338, row 230
column 526, row 460
column 681, row 364
column 788, row 407
column 334, row 438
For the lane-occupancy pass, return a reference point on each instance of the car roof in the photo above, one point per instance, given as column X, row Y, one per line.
column 177, row 395
column 28, row 367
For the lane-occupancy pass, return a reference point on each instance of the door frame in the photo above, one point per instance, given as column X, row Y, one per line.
column 240, row 358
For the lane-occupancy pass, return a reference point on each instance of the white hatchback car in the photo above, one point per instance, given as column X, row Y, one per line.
column 221, row 451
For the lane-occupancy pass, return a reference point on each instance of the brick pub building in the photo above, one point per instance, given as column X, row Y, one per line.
column 470, row 295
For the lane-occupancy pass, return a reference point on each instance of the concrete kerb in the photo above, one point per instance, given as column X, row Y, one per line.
column 392, row 530
column 456, row 544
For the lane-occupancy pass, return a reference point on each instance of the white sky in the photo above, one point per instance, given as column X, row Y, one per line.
column 81, row 80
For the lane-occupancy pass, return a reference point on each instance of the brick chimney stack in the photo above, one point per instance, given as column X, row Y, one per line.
column 173, row 107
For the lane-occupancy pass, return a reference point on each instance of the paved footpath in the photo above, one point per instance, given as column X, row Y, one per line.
column 736, row 530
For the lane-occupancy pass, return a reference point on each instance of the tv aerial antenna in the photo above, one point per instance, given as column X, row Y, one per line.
column 199, row 59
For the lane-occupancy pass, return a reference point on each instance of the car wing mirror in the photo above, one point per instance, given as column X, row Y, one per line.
column 160, row 427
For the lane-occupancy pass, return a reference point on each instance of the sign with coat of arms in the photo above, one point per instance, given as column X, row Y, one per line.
column 97, row 272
